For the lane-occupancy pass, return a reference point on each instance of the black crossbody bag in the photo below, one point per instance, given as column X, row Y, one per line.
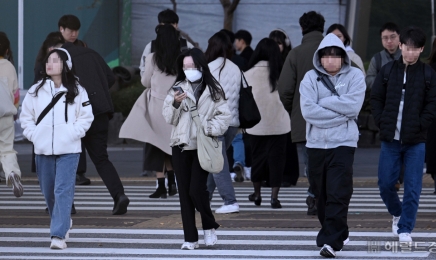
column 50, row 106
column 329, row 85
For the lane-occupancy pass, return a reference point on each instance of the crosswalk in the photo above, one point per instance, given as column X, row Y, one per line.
column 164, row 244
column 33, row 243
column 292, row 199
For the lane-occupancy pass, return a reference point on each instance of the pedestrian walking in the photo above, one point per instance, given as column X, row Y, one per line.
column 331, row 97
column 55, row 128
column 268, row 138
column 292, row 169
column 298, row 62
column 8, row 89
column 145, row 122
column 194, row 85
column 430, row 145
column 404, row 91
column 96, row 77
column 218, row 54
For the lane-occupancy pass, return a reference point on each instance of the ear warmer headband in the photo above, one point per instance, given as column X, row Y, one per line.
column 68, row 62
column 287, row 40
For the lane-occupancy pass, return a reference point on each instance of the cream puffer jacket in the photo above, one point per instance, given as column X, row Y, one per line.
column 214, row 117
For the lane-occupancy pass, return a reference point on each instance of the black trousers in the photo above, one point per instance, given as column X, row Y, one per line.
column 193, row 194
column 95, row 142
column 269, row 156
column 292, row 167
column 331, row 179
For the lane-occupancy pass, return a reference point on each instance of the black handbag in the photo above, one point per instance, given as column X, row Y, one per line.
column 249, row 114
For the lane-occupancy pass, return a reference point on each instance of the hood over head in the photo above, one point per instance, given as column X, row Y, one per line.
column 328, row 41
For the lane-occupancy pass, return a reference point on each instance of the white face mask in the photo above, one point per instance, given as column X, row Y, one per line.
column 193, row 75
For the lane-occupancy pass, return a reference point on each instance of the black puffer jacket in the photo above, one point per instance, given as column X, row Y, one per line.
column 94, row 75
column 419, row 108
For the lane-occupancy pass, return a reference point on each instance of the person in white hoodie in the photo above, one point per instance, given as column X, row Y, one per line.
column 194, row 85
column 56, row 135
column 332, row 134
column 8, row 88
column 218, row 53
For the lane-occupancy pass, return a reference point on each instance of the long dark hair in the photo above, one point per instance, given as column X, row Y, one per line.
column 52, row 39
column 281, row 38
column 219, row 46
column 5, row 47
column 69, row 81
column 268, row 50
column 200, row 62
column 167, row 46
column 342, row 29
column 432, row 58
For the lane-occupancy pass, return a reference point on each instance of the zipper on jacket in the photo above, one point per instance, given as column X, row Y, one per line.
column 404, row 102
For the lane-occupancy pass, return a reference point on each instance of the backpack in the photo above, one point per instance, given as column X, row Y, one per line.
column 388, row 69
column 183, row 45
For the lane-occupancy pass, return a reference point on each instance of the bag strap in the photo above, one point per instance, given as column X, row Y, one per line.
column 378, row 59
column 326, row 82
column 388, row 69
column 49, row 107
column 194, row 113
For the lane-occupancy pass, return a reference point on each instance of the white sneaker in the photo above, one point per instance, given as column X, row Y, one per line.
column 405, row 237
column 327, row 251
column 190, row 245
column 233, row 175
column 210, row 237
column 57, row 243
column 247, row 173
column 395, row 221
column 15, row 182
column 346, row 241
column 225, row 209
column 67, row 236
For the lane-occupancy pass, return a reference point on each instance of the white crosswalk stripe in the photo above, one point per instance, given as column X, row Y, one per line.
column 292, row 199
column 33, row 243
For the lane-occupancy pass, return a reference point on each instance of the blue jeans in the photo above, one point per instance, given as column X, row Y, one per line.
column 222, row 180
column 238, row 150
column 57, row 177
column 392, row 156
column 303, row 148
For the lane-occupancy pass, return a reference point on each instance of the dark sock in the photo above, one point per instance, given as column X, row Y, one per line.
column 171, row 180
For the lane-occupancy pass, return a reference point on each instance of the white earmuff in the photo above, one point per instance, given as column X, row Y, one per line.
column 68, row 62
column 287, row 40
column 62, row 30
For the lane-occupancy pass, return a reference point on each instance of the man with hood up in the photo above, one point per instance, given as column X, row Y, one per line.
column 332, row 134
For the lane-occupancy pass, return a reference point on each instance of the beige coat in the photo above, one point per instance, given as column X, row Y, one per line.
column 214, row 117
column 275, row 119
column 145, row 122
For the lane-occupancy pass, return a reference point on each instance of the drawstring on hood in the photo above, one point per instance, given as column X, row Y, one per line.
column 329, row 41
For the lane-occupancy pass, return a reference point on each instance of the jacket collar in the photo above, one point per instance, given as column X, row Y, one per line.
column 410, row 67
column 213, row 65
column 395, row 56
column 262, row 63
column 312, row 36
column 49, row 86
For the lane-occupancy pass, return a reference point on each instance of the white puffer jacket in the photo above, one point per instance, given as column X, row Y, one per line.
column 54, row 136
column 230, row 81
column 214, row 117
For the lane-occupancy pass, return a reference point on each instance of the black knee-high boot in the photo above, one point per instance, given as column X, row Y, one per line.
column 172, row 188
column 161, row 191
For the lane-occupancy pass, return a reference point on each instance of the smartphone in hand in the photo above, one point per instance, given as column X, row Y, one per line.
column 179, row 89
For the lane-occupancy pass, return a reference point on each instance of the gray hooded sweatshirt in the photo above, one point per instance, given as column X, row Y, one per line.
column 330, row 118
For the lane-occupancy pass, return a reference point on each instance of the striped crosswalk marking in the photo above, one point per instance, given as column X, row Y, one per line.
column 33, row 243
column 292, row 199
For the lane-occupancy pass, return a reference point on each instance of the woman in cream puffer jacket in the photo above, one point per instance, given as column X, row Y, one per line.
column 195, row 85
column 218, row 53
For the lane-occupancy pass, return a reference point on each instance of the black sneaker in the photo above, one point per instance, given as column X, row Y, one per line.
column 120, row 205
column 239, row 170
column 82, row 180
column 327, row 251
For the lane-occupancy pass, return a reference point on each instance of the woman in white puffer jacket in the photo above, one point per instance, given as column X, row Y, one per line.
column 194, row 83
column 218, row 53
